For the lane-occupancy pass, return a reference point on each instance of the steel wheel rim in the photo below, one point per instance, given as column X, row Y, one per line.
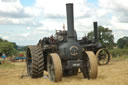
column 51, row 69
column 54, row 67
column 88, row 68
column 103, row 57
column 29, row 62
column 91, row 62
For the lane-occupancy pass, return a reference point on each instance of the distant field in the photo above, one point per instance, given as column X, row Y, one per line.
column 115, row 73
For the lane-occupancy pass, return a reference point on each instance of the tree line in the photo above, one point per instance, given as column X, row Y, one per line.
column 9, row 48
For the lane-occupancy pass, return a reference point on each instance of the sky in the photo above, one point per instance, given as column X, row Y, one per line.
column 27, row 21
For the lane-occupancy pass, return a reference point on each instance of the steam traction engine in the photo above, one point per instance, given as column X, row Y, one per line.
column 101, row 52
column 61, row 55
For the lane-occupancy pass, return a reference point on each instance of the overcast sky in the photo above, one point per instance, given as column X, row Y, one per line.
column 27, row 21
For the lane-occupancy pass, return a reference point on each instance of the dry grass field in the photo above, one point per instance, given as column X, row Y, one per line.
column 115, row 73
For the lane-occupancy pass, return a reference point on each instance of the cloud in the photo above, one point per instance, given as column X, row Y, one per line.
column 118, row 8
column 21, row 22
column 57, row 7
column 46, row 16
column 12, row 12
column 25, row 34
column 19, row 14
column 52, row 16
column 114, row 16
column 119, row 34
column 28, row 28
column 5, row 37
column 14, row 9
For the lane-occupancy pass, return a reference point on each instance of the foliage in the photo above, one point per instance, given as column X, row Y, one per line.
column 14, row 45
column 122, row 42
column 7, row 66
column 119, row 52
column 105, row 36
column 21, row 48
column 7, row 47
column 1, row 40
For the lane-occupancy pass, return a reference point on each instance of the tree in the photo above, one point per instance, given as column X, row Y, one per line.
column 122, row 42
column 8, row 48
column 105, row 36
column 2, row 40
column 14, row 45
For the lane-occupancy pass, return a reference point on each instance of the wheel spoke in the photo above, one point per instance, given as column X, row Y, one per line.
column 90, row 63
column 54, row 67
column 103, row 56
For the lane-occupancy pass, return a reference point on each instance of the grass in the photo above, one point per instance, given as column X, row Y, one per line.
column 118, row 52
column 7, row 66
column 121, row 58
column 125, row 57
column 115, row 73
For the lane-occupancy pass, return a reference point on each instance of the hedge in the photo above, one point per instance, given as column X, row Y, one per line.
column 119, row 52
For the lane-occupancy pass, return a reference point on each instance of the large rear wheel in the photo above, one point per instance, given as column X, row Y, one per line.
column 54, row 67
column 35, row 61
column 90, row 68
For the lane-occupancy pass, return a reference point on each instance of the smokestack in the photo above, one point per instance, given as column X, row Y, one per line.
column 95, row 32
column 70, row 21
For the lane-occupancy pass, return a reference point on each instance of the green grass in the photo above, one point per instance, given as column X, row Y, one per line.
column 119, row 52
column 121, row 58
column 7, row 66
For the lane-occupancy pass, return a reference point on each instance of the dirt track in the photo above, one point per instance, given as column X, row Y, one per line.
column 115, row 73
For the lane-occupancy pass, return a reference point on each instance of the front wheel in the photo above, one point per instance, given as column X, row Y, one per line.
column 54, row 67
column 90, row 67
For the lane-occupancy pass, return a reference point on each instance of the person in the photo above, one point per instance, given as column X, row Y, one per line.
column 3, row 56
column 52, row 38
column 64, row 27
